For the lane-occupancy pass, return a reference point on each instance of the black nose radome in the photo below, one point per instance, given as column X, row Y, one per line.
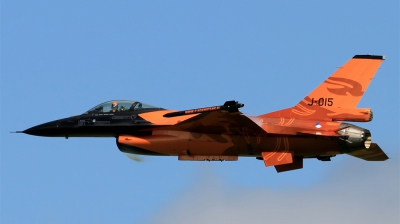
column 46, row 129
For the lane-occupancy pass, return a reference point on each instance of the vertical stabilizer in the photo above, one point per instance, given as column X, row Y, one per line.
column 345, row 87
column 337, row 97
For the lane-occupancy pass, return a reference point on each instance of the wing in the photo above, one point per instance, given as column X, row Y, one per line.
column 219, row 122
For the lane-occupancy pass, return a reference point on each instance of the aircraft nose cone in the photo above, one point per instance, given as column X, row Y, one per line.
column 47, row 129
column 32, row 131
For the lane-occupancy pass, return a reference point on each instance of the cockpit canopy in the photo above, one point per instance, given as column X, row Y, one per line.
column 116, row 106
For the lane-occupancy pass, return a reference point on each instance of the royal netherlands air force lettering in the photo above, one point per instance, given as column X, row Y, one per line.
column 201, row 110
column 321, row 102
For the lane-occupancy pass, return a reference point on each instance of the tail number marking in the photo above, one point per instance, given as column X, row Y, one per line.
column 321, row 102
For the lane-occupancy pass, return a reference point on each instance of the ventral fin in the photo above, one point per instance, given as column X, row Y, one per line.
column 297, row 164
column 277, row 158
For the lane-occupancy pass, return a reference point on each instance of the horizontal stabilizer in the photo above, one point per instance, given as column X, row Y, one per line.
column 373, row 153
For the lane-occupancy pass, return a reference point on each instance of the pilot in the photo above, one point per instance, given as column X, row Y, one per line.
column 114, row 107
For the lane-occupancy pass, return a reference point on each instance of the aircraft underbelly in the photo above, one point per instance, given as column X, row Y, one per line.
column 176, row 143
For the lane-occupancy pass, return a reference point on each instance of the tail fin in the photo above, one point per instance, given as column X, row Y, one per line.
column 337, row 97
column 345, row 87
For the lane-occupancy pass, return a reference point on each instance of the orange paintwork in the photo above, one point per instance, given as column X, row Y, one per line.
column 347, row 84
column 277, row 158
column 310, row 129
column 156, row 117
column 337, row 97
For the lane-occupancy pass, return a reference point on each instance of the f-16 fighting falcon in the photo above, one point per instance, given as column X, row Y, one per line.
column 316, row 127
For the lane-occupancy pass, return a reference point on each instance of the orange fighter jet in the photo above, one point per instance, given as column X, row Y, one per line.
column 314, row 128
